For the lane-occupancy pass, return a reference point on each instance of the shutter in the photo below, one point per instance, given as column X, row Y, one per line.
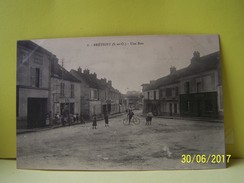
column 40, row 78
column 32, row 77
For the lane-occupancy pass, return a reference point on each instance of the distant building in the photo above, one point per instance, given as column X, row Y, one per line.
column 97, row 95
column 195, row 90
column 134, row 99
column 33, row 84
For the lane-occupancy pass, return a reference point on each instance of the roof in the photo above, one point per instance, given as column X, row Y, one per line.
column 62, row 73
column 92, row 81
column 33, row 46
column 202, row 64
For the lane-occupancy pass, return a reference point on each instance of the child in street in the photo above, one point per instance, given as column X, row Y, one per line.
column 94, row 123
column 149, row 118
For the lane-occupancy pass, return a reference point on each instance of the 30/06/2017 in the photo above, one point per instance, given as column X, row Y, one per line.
column 203, row 158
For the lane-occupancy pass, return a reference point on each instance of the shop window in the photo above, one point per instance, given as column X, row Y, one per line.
column 187, row 87
column 209, row 106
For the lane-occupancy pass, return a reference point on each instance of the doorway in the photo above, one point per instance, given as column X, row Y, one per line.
column 36, row 112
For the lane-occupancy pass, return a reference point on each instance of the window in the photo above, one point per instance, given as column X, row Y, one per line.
column 187, row 87
column 154, row 95
column 176, row 91
column 36, row 78
column 148, row 95
column 168, row 92
column 187, row 104
column 61, row 89
column 199, row 87
column 95, row 94
column 160, row 94
column 72, row 95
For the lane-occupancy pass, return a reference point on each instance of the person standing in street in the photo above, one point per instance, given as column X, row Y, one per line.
column 149, row 118
column 106, row 119
column 130, row 115
column 94, row 122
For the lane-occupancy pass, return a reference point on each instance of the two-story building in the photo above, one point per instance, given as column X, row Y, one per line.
column 65, row 91
column 194, row 91
column 201, row 87
column 33, row 84
column 161, row 97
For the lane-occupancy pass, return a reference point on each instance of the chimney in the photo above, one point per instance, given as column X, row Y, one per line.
column 110, row 83
column 196, row 56
column 103, row 80
column 172, row 69
column 86, row 71
column 79, row 70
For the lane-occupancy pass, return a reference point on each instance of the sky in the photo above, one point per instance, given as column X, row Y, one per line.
column 129, row 61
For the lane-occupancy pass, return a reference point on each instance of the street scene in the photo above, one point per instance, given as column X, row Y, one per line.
column 121, row 147
column 120, row 103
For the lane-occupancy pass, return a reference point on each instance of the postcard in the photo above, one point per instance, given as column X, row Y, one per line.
column 150, row 102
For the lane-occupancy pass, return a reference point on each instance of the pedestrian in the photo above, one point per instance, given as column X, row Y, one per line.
column 106, row 120
column 94, row 123
column 82, row 121
column 77, row 117
column 74, row 118
column 130, row 115
column 147, row 120
column 57, row 119
column 149, row 116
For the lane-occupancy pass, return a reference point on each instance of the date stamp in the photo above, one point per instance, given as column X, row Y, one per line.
column 204, row 158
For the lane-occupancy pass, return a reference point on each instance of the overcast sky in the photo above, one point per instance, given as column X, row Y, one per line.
column 130, row 65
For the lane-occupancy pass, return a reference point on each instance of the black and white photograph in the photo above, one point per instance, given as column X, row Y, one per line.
column 150, row 102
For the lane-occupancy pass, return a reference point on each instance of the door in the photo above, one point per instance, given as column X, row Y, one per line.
column 175, row 108
column 199, row 108
column 170, row 109
column 36, row 112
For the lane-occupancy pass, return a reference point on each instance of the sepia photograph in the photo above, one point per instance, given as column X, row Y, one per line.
column 151, row 102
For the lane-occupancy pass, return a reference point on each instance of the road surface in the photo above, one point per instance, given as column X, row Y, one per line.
column 120, row 147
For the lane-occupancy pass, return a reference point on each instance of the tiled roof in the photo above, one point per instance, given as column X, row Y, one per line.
column 202, row 64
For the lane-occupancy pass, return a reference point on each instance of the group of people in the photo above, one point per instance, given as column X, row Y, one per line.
column 76, row 118
column 130, row 115
column 68, row 118
column 94, row 121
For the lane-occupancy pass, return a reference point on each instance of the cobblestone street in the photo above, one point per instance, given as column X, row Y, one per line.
column 121, row 147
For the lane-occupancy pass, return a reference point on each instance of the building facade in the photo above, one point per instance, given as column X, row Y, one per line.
column 65, row 91
column 97, row 95
column 194, row 91
column 134, row 100
column 33, row 84
column 201, row 87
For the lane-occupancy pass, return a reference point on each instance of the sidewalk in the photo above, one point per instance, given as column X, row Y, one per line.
column 50, row 127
